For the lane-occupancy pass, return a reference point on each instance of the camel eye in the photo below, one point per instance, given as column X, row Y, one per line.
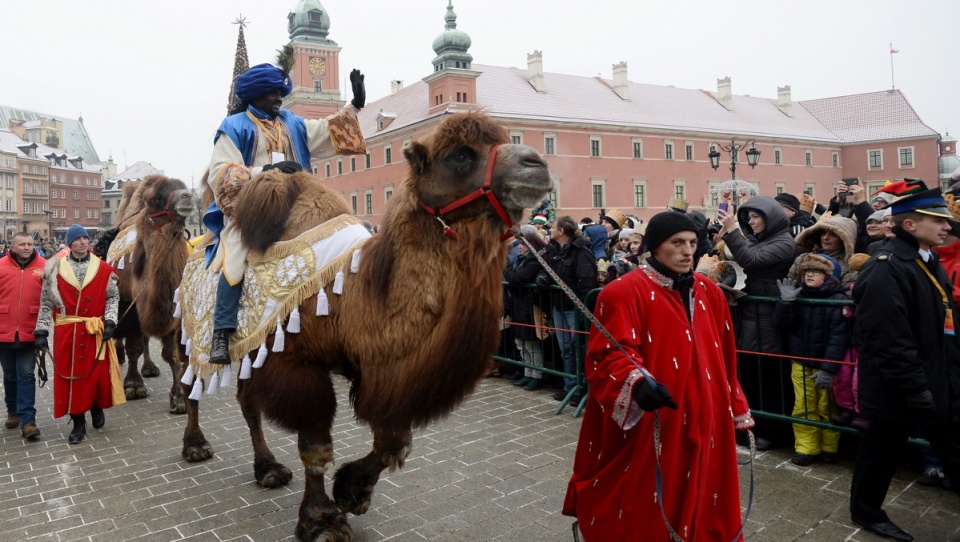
column 460, row 160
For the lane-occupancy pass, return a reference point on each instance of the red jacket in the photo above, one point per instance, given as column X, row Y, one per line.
column 19, row 297
column 950, row 260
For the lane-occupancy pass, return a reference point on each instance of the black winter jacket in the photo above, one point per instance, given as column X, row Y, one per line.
column 814, row 331
column 523, row 271
column 576, row 266
column 900, row 322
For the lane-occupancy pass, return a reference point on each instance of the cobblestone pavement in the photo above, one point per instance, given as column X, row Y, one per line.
column 496, row 469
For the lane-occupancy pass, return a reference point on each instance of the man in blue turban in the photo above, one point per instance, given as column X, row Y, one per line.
column 263, row 136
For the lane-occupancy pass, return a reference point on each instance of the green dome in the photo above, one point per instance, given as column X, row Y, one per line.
column 451, row 45
column 309, row 22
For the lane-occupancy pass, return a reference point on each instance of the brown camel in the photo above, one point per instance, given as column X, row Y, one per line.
column 156, row 209
column 414, row 329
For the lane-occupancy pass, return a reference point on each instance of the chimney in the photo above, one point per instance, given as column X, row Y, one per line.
column 535, row 71
column 724, row 95
column 395, row 86
column 620, row 84
column 783, row 101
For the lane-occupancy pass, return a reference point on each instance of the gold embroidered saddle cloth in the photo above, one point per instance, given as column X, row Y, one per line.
column 275, row 282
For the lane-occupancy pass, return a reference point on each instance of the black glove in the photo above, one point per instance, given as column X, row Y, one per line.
column 649, row 399
column 544, row 280
column 40, row 339
column 108, row 328
column 921, row 405
column 359, row 90
column 285, row 166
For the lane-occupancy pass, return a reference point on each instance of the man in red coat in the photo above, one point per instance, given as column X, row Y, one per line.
column 79, row 301
column 21, row 276
column 676, row 325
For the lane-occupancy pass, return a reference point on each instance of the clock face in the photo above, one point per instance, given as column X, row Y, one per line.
column 317, row 66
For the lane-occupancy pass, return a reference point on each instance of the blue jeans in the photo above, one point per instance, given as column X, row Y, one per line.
column 228, row 304
column 19, row 382
column 564, row 320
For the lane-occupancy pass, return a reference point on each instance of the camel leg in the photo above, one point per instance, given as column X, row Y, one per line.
column 133, row 386
column 195, row 445
column 178, row 401
column 320, row 518
column 354, row 481
column 149, row 368
column 267, row 470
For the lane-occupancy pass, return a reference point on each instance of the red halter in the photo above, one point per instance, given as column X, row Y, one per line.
column 165, row 211
column 485, row 190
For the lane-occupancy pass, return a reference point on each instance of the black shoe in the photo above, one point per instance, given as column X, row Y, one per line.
column 220, row 351
column 763, row 444
column 802, row 459
column 885, row 529
column 514, row 375
column 96, row 413
column 560, row 395
column 576, row 399
column 79, row 429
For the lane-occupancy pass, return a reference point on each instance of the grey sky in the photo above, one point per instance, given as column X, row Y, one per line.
column 151, row 78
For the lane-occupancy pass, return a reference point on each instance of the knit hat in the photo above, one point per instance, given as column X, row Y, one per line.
column 886, row 198
column 625, row 233
column 539, row 219
column 75, row 232
column 788, row 201
column 615, row 217
column 876, row 215
column 807, row 203
column 663, row 225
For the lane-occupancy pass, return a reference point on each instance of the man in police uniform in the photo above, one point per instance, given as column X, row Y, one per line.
column 909, row 367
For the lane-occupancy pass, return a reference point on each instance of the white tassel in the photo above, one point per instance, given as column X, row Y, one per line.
column 227, row 377
column 293, row 325
column 177, row 312
column 197, row 390
column 278, row 337
column 355, row 261
column 176, row 295
column 188, row 375
column 183, row 332
column 261, row 356
column 214, row 387
column 120, row 264
column 323, row 305
column 189, row 347
column 245, row 368
column 338, row 283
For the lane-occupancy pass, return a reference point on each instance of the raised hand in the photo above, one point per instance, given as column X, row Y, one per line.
column 359, row 90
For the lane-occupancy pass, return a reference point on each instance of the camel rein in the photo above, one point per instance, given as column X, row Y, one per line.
column 657, row 444
column 484, row 191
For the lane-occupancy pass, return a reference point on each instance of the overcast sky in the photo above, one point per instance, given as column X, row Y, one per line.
column 151, row 78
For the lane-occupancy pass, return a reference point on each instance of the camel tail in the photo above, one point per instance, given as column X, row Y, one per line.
column 263, row 206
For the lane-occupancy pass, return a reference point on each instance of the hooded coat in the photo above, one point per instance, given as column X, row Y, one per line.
column 809, row 241
column 765, row 259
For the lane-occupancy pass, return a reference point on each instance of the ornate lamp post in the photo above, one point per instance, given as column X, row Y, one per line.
column 49, row 214
column 731, row 191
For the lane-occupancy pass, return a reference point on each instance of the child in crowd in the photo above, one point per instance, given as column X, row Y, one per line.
column 818, row 335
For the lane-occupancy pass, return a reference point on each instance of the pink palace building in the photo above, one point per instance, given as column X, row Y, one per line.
column 613, row 143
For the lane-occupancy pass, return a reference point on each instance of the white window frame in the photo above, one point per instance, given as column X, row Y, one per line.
column 602, row 183
column 546, row 150
column 599, row 141
column 673, row 150
column 646, row 195
column 880, row 152
column 913, row 157
column 637, row 143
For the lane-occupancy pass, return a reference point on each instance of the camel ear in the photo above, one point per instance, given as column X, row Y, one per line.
column 417, row 157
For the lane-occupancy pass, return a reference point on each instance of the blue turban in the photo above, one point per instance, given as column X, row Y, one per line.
column 75, row 232
column 259, row 80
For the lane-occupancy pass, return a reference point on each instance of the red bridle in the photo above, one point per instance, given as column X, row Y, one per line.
column 485, row 190
column 165, row 211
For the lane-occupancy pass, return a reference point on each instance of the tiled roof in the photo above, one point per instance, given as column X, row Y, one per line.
column 505, row 92
column 869, row 117
column 75, row 137
column 136, row 171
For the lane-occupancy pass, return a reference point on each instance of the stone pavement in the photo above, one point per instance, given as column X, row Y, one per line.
column 494, row 470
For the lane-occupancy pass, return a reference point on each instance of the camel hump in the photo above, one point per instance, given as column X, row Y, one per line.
column 264, row 204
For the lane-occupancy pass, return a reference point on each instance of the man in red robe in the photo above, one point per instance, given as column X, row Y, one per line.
column 676, row 326
column 79, row 300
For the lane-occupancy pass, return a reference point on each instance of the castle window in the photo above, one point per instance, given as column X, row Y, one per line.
column 316, row 16
column 317, row 85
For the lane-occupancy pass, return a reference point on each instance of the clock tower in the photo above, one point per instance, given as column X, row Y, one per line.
column 316, row 70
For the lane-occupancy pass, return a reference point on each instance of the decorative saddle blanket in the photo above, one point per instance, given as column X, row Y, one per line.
column 122, row 247
column 275, row 283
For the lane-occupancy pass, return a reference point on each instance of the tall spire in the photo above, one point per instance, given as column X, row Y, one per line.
column 451, row 46
column 240, row 64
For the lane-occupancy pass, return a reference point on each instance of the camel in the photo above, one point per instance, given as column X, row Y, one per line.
column 153, row 210
column 414, row 328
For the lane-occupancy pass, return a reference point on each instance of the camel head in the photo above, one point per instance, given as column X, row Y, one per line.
column 451, row 163
column 165, row 200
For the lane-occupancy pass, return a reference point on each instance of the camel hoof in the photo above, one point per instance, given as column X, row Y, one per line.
column 197, row 452
column 178, row 405
column 324, row 525
column 135, row 391
column 150, row 371
column 350, row 491
column 271, row 474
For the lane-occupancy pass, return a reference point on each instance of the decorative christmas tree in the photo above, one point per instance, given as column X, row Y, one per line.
column 240, row 64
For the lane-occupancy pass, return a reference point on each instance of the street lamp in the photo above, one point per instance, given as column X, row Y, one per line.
column 49, row 214
column 734, row 148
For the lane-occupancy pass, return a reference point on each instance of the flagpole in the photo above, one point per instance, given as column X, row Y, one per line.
column 893, row 85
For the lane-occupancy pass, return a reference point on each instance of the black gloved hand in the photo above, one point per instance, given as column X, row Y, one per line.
column 359, row 90
column 40, row 339
column 544, row 280
column 285, row 166
column 108, row 328
column 921, row 405
column 649, row 399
